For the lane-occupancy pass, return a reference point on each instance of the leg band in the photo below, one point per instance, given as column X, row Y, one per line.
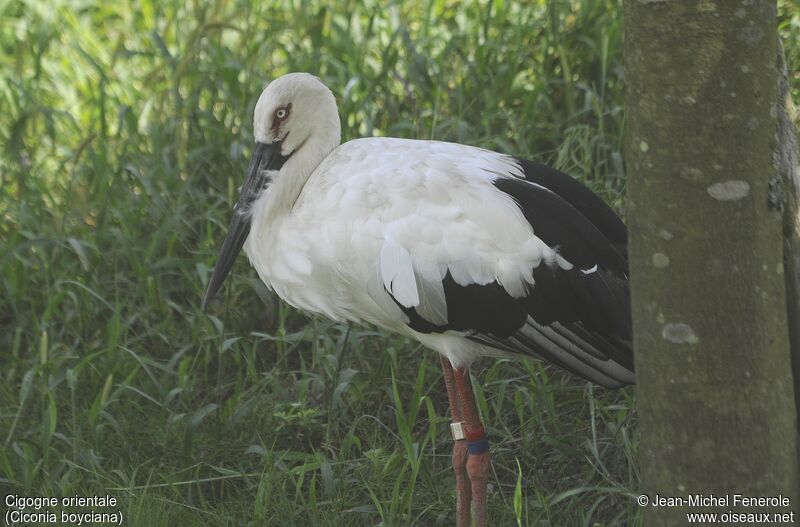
column 477, row 443
column 474, row 435
column 479, row 446
column 457, row 430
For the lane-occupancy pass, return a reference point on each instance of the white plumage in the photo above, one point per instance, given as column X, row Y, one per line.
column 403, row 234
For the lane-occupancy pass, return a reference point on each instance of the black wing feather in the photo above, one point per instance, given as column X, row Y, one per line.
column 580, row 197
column 560, row 224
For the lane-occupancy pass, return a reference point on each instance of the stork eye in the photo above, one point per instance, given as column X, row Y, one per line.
column 281, row 113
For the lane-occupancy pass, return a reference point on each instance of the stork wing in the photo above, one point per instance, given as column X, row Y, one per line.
column 565, row 299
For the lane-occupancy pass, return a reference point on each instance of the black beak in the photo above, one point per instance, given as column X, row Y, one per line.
column 266, row 158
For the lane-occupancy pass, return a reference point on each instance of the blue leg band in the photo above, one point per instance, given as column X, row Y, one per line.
column 479, row 446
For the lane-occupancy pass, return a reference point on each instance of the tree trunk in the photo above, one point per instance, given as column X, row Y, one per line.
column 715, row 386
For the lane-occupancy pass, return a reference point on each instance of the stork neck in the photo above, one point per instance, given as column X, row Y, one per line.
column 281, row 195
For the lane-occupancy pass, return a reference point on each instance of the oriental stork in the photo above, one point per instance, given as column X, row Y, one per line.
column 470, row 252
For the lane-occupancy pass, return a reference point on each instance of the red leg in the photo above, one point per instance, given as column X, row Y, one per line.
column 463, row 493
column 477, row 445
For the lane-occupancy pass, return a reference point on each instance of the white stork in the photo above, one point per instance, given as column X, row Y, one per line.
column 470, row 252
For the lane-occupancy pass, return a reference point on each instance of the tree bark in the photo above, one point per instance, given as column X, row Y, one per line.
column 715, row 390
column 787, row 163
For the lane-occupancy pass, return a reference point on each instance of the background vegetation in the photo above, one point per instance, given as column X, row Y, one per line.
column 125, row 132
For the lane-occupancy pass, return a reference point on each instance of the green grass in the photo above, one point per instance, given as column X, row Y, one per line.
column 125, row 133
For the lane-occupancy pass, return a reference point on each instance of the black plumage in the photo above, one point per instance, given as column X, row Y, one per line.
column 583, row 199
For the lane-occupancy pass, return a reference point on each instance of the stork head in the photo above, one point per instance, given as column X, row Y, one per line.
column 296, row 124
column 294, row 109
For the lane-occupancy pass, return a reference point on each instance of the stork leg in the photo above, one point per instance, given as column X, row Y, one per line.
column 477, row 445
column 463, row 491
